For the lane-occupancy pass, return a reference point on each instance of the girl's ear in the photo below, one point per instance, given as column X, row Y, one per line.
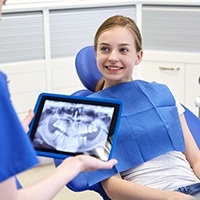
column 139, row 57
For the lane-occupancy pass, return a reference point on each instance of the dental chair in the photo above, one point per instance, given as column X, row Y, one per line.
column 89, row 75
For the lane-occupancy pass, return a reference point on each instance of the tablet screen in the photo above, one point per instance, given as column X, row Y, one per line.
column 71, row 125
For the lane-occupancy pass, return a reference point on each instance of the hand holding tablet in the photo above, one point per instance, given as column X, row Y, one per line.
column 70, row 125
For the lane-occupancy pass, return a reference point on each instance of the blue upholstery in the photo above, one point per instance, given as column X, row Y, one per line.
column 86, row 67
column 194, row 125
column 79, row 184
column 89, row 75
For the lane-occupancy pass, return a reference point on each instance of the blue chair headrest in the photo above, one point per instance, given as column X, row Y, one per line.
column 86, row 67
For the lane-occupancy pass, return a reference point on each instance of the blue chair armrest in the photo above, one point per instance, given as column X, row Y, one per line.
column 79, row 183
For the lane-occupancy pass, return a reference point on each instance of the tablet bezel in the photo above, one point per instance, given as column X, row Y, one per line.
column 117, row 105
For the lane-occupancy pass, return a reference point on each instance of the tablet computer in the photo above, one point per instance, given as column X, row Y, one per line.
column 69, row 125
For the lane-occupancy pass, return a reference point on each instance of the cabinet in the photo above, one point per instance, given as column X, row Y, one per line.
column 170, row 37
column 181, row 78
column 26, row 81
column 192, row 84
column 169, row 73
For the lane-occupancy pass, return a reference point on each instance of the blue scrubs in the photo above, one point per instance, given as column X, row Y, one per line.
column 16, row 152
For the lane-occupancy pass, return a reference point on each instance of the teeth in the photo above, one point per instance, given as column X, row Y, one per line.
column 92, row 129
column 80, row 128
column 83, row 129
column 113, row 68
column 84, row 140
column 59, row 138
column 60, row 125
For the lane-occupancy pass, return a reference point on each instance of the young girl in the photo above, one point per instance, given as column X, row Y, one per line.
column 161, row 156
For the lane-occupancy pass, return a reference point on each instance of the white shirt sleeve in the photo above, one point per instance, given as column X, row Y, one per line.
column 180, row 108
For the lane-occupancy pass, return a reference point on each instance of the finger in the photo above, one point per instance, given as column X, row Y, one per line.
column 27, row 120
column 111, row 163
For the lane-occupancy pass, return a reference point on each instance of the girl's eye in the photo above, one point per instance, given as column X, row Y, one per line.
column 104, row 49
column 123, row 50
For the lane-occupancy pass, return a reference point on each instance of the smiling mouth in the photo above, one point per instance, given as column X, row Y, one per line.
column 114, row 68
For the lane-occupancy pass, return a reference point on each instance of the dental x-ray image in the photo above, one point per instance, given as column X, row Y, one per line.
column 75, row 128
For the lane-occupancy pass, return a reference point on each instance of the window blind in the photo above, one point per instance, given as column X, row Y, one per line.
column 21, row 37
column 70, row 30
column 174, row 28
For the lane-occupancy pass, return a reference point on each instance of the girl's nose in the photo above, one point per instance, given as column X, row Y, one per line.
column 113, row 57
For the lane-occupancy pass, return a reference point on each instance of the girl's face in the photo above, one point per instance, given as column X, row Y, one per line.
column 116, row 55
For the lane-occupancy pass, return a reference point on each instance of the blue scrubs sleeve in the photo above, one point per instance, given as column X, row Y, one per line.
column 16, row 152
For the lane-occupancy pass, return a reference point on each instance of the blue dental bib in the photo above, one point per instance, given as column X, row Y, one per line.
column 16, row 152
column 149, row 125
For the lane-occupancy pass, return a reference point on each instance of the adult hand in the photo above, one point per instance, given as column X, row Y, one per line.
column 89, row 163
column 27, row 120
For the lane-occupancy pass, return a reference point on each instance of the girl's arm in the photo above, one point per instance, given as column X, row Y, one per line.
column 192, row 152
column 119, row 189
column 8, row 189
